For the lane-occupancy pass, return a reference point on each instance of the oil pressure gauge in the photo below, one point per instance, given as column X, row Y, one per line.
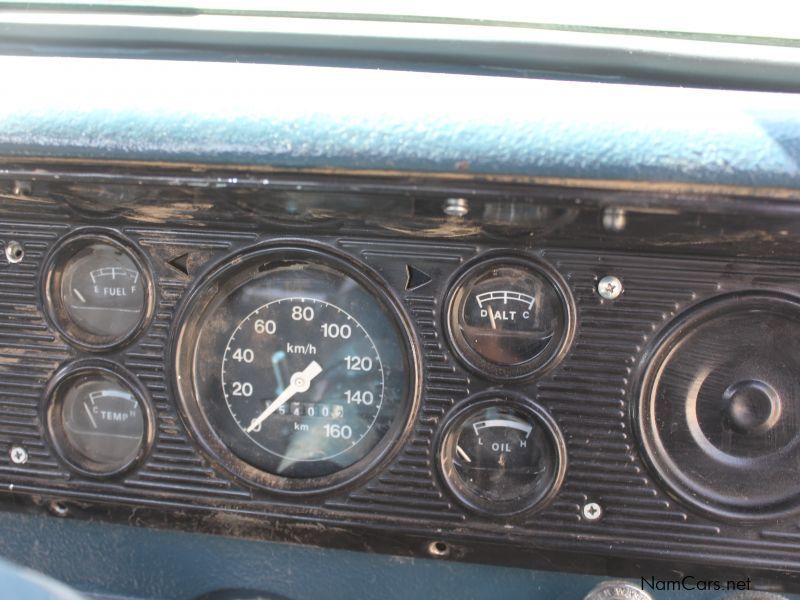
column 509, row 319
column 501, row 454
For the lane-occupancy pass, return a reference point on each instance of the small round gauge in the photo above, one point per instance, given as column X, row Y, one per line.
column 98, row 291
column 501, row 454
column 509, row 319
column 97, row 418
column 295, row 370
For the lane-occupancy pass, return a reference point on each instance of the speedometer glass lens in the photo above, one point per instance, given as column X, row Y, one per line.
column 289, row 404
column 300, row 369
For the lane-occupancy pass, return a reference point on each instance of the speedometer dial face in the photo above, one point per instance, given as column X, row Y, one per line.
column 303, row 379
column 301, row 371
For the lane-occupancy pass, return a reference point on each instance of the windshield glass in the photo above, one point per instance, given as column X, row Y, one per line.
column 766, row 20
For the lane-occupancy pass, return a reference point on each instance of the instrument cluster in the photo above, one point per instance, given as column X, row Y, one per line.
column 297, row 369
column 404, row 381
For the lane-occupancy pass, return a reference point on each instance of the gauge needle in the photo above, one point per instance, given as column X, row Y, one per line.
column 299, row 382
column 91, row 416
column 491, row 318
column 463, row 454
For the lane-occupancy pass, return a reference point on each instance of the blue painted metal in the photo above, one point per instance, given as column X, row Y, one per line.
column 147, row 563
column 313, row 117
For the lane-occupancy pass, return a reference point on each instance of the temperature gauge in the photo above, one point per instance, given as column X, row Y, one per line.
column 98, row 291
column 509, row 319
column 98, row 420
column 502, row 455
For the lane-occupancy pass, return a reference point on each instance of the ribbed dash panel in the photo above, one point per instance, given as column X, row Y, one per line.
column 29, row 353
column 590, row 395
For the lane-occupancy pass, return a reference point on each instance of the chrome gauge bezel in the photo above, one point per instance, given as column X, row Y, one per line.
column 445, row 450
column 52, row 416
column 533, row 368
column 54, row 303
column 191, row 313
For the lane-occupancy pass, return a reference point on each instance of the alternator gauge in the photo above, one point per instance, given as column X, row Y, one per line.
column 501, row 454
column 98, row 291
column 295, row 369
column 509, row 319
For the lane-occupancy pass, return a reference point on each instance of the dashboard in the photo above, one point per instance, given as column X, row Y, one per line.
column 508, row 374
column 336, row 308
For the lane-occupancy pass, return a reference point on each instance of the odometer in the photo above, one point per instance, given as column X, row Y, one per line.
column 295, row 369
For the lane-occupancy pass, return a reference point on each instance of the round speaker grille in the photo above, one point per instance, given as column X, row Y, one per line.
column 718, row 413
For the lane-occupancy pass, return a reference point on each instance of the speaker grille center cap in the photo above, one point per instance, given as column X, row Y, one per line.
column 751, row 407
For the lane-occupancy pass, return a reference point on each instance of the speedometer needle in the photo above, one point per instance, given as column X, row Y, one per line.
column 299, row 382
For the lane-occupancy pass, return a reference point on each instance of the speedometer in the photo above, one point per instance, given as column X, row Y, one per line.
column 296, row 408
column 295, row 369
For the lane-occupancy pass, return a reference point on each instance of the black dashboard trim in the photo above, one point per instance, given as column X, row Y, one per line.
column 699, row 247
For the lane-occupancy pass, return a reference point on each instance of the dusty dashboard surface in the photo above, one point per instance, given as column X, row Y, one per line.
column 533, row 376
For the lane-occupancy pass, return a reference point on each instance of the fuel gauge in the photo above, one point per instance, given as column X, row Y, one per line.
column 98, row 291
column 502, row 455
column 509, row 319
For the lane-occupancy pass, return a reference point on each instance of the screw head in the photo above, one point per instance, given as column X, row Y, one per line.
column 14, row 252
column 18, row 454
column 22, row 188
column 614, row 219
column 456, row 207
column 438, row 549
column 609, row 287
column 592, row 511
column 58, row 508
